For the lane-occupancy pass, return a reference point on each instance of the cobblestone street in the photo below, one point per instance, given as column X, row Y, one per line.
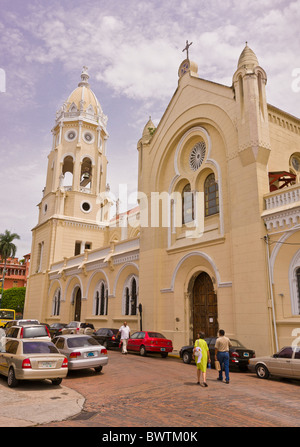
column 134, row 391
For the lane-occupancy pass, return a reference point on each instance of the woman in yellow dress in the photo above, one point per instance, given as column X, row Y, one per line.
column 202, row 357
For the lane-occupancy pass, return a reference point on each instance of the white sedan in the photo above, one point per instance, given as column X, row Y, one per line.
column 285, row 363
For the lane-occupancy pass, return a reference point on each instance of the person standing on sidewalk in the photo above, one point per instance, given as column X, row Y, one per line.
column 222, row 354
column 125, row 334
column 201, row 352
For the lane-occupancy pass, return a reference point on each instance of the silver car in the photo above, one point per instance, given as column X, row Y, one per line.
column 78, row 327
column 82, row 351
column 32, row 360
column 286, row 363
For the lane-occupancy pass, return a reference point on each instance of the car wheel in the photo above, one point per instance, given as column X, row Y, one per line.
column 98, row 369
column 187, row 357
column 11, row 378
column 143, row 351
column 164, row 354
column 56, row 382
column 262, row 371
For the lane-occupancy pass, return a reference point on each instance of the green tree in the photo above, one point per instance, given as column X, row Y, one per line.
column 7, row 250
column 14, row 298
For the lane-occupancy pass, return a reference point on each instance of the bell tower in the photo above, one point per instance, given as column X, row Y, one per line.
column 249, row 82
column 72, row 211
column 77, row 163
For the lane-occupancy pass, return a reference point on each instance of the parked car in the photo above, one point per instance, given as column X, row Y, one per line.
column 239, row 356
column 78, row 327
column 285, row 363
column 32, row 360
column 20, row 323
column 145, row 342
column 38, row 331
column 56, row 328
column 82, row 351
column 107, row 337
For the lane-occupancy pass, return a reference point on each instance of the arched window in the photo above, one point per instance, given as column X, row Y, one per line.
column 86, row 174
column 130, row 296
column 66, row 178
column 298, row 287
column 187, row 205
column 101, row 299
column 56, row 302
column 211, row 192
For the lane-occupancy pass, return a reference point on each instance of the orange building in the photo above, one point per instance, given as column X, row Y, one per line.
column 16, row 272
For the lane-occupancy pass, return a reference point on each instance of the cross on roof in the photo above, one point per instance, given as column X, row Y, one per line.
column 187, row 48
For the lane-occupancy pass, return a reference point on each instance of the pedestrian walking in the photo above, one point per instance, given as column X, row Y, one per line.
column 202, row 357
column 222, row 354
column 124, row 331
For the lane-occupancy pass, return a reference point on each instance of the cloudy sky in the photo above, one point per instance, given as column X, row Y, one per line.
column 133, row 50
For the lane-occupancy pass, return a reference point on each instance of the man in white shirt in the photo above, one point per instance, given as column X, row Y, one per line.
column 125, row 334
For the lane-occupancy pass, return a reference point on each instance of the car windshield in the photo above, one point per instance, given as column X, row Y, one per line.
column 81, row 342
column 155, row 335
column 236, row 343
column 39, row 347
column 7, row 314
column 32, row 332
column 72, row 324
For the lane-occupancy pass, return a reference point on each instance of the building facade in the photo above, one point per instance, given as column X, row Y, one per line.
column 16, row 272
column 215, row 242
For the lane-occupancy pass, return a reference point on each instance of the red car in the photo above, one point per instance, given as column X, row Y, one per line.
column 145, row 342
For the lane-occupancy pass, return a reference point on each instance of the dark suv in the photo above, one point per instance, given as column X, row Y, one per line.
column 107, row 337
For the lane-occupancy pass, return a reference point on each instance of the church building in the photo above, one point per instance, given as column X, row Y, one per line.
column 215, row 240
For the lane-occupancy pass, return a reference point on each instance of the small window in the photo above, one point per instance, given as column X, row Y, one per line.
column 12, row 347
column 286, row 353
column 77, row 248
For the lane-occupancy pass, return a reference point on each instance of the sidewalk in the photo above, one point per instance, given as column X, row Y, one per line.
column 34, row 403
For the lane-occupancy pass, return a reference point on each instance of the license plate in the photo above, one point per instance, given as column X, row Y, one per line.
column 162, row 349
column 90, row 354
column 47, row 365
column 246, row 354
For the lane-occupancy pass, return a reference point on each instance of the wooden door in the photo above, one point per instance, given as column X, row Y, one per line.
column 205, row 307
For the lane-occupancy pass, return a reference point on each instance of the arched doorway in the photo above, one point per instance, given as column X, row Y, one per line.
column 77, row 303
column 204, row 307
